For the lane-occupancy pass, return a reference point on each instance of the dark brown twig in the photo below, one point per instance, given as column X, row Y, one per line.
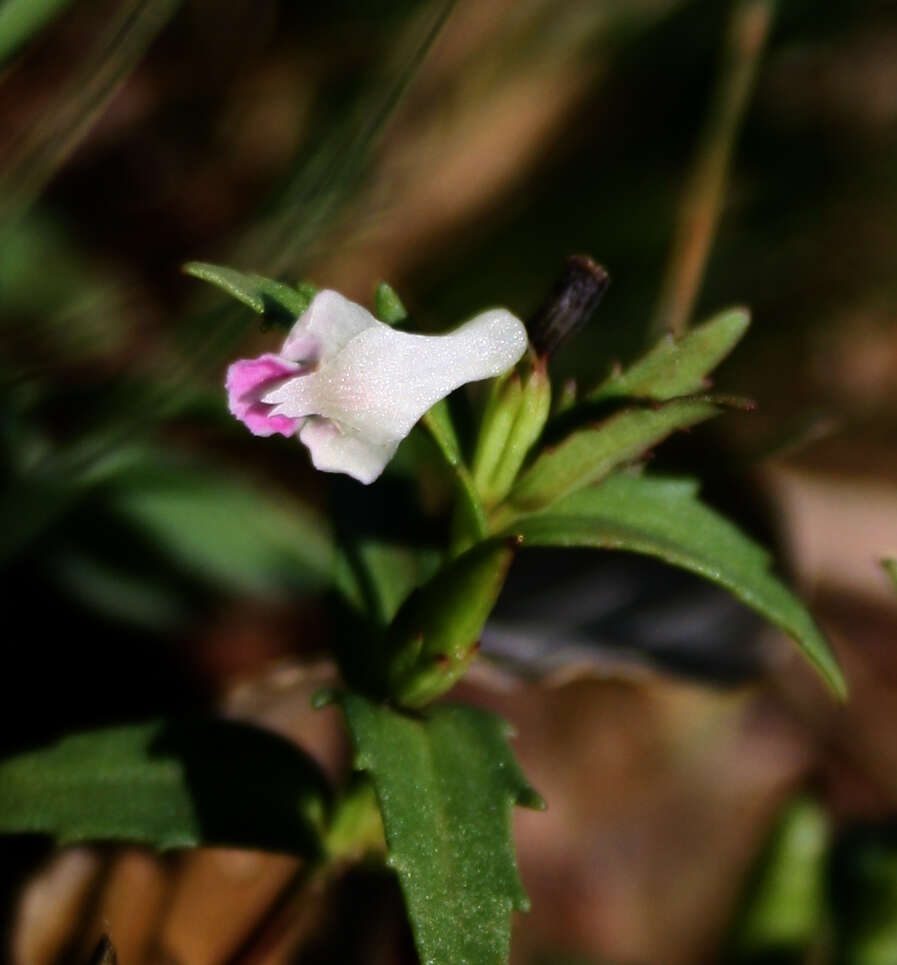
column 704, row 192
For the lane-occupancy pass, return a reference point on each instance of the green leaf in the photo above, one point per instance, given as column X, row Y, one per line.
column 278, row 303
column 446, row 782
column 677, row 367
column 355, row 826
column 589, row 454
column 889, row 565
column 20, row 20
column 169, row 785
column 226, row 531
column 110, row 587
column 388, row 306
column 665, row 518
column 784, row 905
column 381, row 575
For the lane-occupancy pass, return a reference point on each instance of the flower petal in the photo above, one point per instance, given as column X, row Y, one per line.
column 335, row 450
column 247, row 380
column 328, row 324
column 296, row 397
column 384, row 380
column 372, row 383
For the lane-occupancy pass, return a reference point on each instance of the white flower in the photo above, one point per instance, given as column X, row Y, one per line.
column 353, row 387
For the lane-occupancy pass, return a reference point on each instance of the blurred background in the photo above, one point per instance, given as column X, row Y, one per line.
column 158, row 559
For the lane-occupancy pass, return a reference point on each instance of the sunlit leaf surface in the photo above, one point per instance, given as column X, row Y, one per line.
column 169, row 785
column 665, row 518
column 678, row 366
column 588, row 455
column 278, row 303
column 446, row 782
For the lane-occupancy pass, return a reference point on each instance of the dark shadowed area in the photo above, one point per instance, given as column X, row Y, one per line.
column 708, row 801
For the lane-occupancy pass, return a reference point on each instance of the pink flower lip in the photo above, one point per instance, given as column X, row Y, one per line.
column 247, row 381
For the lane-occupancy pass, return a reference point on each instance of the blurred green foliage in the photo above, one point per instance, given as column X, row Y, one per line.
column 130, row 506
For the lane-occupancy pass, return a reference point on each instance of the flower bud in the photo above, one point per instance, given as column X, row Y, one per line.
column 514, row 418
column 495, row 428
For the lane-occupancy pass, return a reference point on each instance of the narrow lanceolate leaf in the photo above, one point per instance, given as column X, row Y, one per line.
column 677, row 367
column 381, row 575
column 446, row 782
column 589, row 454
column 278, row 303
column 665, row 518
column 225, row 531
column 168, row 785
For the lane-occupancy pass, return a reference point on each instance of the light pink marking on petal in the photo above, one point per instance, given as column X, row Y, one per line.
column 249, row 379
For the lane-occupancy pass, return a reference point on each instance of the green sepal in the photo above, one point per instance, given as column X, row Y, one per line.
column 514, row 419
column 278, row 304
column 532, row 415
column 435, row 634
column 388, row 306
column 675, row 367
column 499, row 415
column 446, row 782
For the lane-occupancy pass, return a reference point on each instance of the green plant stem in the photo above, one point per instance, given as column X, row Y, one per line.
column 355, row 831
column 704, row 191
column 471, row 523
column 355, row 827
